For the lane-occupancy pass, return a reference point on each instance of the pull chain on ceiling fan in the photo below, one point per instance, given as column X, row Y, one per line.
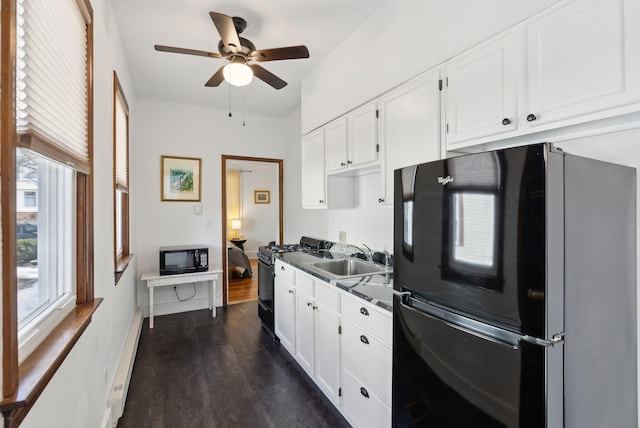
column 240, row 52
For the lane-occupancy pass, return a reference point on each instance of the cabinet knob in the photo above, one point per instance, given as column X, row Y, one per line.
column 308, row 303
column 281, row 267
column 364, row 311
column 314, row 307
column 321, row 201
column 290, row 291
column 506, row 121
column 364, row 392
column 364, row 339
column 349, row 162
column 531, row 117
column 380, row 200
column 342, row 164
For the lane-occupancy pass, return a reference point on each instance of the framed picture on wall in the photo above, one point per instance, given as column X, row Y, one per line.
column 261, row 197
column 180, row 179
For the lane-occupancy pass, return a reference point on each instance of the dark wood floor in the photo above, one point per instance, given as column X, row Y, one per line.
column 192, row 370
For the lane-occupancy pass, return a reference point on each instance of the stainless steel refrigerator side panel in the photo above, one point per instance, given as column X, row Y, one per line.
column 555, row 284
column 600, row 294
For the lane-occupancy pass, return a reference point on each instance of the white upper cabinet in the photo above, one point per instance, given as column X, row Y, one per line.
column 363, row 135
column 314, row 193
column 351, row 141
column 572, row 64
column 482, row 90
column 409, row 127
column 335, row 139
column 581, row 58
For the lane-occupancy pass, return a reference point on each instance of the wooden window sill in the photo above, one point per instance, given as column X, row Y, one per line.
column 121, row 265
column 37, row 369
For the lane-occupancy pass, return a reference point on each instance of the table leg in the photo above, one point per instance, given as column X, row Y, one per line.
column 213, row 298
column 150, row 307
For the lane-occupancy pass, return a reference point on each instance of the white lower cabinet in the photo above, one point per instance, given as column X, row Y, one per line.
column 366, row 363
column 341, row 341
column 285, row 302
column 361, row 407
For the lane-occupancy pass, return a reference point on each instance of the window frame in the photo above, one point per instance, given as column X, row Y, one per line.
column 122, row 255
column 23, row 383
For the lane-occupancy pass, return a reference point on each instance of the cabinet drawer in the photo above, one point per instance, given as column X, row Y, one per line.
column 285, row 272
column 304, row 282
column 361, row 407
column 368, row 359
column 368, row 318
column 328, row 295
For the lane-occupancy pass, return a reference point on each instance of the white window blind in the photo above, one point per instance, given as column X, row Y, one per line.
column 51, row 90
column 121, row 142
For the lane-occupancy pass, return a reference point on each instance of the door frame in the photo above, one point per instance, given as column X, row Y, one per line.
column 225, row 158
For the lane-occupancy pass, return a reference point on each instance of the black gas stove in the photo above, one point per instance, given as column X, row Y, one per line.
column 266, row 273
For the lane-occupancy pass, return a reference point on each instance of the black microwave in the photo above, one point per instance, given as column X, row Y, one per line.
column 184, row 259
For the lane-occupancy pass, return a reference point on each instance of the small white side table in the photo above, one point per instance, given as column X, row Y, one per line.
column 153, row 280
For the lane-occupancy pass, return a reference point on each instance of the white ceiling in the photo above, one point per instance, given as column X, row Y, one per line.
column 319, row 24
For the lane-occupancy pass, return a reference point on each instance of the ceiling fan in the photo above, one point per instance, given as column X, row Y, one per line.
column 240, row 52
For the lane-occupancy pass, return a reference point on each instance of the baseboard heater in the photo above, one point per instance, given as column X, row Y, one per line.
column 118, row 395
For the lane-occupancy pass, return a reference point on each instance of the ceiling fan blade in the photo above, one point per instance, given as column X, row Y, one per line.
column 227, row 31
column 162, row 48
column 216, row 79
column 276, row 54
column 267, row 76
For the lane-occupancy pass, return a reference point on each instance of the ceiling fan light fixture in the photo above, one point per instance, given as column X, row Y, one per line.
column 237, row 73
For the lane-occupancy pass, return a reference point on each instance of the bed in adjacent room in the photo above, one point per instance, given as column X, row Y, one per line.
column 238, row 262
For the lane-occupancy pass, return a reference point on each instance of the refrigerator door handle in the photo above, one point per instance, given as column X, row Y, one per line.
column 476, row 328
column 556, row 339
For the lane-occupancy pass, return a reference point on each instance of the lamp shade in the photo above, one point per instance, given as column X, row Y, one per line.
column 237, row 74
column 236, row 224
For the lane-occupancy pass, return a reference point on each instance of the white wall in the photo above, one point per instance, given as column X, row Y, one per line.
column 163, row 128
column 77, row 395
column 400, row 40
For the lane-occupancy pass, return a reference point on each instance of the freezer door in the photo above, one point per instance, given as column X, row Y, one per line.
column 469, row 233
column 444, row 376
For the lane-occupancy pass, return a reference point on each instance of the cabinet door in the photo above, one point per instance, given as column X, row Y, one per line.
column 482, row 90
column 582, row 58
column 327, row 346
column 285, row 314
column 305, row 332
column 335, row 144
column 313, row 173
column 363, row 134
column 409, row 127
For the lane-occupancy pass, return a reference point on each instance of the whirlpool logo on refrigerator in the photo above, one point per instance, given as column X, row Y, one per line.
column 445, row 180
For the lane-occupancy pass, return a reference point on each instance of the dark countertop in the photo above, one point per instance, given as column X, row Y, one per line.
column 376, row 289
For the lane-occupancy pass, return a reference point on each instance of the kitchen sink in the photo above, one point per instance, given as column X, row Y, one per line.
column 349, row 267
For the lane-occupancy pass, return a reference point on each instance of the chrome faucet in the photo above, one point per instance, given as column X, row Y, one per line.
column 369, row 254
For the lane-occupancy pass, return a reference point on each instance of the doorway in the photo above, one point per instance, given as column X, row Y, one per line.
column 252, row 215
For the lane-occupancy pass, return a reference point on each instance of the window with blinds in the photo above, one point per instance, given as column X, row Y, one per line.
column 52, row 151
column 121, row 177
column 51, row 86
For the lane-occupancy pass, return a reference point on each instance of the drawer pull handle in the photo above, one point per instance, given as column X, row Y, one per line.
column 364, row 392
column 364, row 339
column 281, row 267
column 364, row 311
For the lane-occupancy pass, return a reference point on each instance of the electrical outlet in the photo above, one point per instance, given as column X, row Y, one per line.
column 342, row 237
column 197, row 209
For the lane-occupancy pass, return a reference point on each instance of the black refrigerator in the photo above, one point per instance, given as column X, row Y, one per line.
column 515, row 291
